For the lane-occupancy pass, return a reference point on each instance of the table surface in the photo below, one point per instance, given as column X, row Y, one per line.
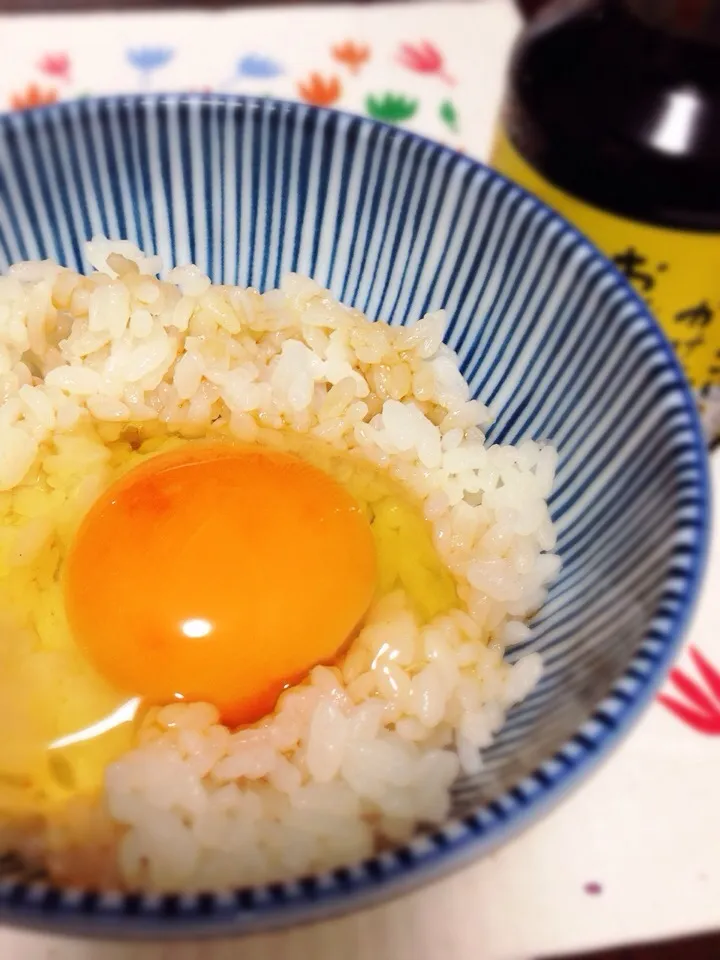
column 634, row 855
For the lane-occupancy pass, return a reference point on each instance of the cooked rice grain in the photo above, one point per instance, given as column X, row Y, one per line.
column 361, row 754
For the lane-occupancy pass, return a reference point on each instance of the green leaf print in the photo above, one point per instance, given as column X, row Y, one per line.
column 449, row 116
column 392, row 107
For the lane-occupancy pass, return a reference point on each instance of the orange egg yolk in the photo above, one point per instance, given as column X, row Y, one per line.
column 219, row 573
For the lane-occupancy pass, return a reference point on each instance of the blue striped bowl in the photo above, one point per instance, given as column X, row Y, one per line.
column 548, row 334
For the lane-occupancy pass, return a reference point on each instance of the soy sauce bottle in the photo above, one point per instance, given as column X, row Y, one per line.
column 612, row 116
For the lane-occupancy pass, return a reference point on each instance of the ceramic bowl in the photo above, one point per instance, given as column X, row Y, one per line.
column 549, row 335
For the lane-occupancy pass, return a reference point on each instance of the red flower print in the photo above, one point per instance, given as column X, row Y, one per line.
column 424, row 58
column 32, row 96
column 320, row 92
column 55, row 65
column 703, row 713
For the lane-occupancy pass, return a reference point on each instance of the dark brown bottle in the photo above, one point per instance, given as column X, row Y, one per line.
column 613, row 117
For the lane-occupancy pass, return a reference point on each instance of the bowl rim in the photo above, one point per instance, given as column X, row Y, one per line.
column 43, row 906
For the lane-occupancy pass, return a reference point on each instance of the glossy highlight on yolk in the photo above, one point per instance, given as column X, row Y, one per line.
column 219, row 573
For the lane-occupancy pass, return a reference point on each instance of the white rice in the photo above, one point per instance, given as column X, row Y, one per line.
column 360, row 755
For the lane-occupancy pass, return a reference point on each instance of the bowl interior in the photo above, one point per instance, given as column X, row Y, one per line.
column 547, row 333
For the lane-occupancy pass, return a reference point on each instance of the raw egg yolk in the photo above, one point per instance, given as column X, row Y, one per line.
column 219, row 573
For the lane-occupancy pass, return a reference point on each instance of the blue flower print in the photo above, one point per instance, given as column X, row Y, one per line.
column 148, row 59
column 257, row 66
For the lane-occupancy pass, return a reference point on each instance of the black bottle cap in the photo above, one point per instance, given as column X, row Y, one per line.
column 618, row 102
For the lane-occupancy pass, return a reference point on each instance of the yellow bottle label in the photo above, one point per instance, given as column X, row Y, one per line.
column 675, row 271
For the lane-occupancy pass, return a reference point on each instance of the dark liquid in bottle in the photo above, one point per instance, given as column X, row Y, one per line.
column 611, row 105
column 613, row 116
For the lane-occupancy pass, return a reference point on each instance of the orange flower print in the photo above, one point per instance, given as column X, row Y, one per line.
column 319, row 91
column 33, row 96
column 353, row 55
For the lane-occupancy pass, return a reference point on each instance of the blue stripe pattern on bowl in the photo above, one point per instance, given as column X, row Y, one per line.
column 549, row 336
